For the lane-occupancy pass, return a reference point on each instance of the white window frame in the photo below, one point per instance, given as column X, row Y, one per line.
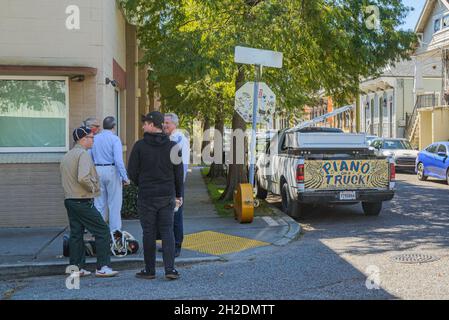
column 42, row 149
column 435, row 18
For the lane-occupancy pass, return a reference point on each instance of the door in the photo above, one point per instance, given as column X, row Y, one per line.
column 441, row 161
column 429, row 160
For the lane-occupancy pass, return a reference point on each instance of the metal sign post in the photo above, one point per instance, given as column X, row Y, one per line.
column 244, row 196
column 253, row 132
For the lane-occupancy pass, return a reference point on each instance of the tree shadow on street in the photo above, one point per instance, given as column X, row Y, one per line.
column 418, row 216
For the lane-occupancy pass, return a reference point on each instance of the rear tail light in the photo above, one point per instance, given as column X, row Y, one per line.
column 392, row 172
column 300, row 173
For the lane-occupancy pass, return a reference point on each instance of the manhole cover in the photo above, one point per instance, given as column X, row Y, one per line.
column 414, row 258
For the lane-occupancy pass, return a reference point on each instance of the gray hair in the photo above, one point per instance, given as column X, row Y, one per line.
column 89, row 121
column 173, row 118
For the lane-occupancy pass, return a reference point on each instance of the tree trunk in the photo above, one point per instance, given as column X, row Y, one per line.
column 206, row 126
column 217, row 170
column 237, row 172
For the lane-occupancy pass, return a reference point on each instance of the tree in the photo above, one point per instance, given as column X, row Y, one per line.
column 327, row 45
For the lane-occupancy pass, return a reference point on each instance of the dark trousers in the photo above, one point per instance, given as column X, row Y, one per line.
column 156, row 216
column 83, row 215
column 178, row 227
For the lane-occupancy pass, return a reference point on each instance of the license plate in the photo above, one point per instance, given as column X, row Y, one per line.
column 347, row 195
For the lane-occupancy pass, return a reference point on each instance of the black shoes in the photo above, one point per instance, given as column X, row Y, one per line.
column 172, row 275
column 143, row 274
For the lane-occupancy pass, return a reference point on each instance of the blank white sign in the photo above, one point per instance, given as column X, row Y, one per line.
column 266, row 58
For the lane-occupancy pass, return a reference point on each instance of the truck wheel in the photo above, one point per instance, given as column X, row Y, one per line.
column 290, row 206
column 261, row 193
column 421, row 176
column 372, row 208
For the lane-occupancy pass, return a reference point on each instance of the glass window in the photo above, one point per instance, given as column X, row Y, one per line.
column 446, row 21
column 33, row 114
column 432, row 148
column 437, row 25
column 397, row 144
column 442, row 148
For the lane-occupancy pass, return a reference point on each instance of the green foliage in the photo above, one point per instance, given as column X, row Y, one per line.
column 326, row 44
column 129, row 207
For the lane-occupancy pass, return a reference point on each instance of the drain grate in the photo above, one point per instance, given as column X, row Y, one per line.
column 414, row 258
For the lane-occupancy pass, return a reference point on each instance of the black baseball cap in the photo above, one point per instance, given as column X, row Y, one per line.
column 155, row 117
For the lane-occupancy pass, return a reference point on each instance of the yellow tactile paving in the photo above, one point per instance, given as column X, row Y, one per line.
column 216, row 243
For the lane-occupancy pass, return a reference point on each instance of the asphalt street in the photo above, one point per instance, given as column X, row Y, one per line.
column 341, row 254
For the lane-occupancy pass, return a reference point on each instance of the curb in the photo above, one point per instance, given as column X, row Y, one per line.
column 41, row 269
column 294, row 228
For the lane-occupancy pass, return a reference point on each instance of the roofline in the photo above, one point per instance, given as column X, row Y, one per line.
column 420, row 20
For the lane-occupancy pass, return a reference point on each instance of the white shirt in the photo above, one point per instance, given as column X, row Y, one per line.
column 178, row 137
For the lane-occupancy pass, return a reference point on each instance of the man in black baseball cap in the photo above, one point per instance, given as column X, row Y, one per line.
column 160, row 183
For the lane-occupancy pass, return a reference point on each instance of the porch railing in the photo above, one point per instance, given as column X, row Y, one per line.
column 422, row 101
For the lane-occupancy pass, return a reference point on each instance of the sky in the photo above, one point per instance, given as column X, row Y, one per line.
column 413, row 16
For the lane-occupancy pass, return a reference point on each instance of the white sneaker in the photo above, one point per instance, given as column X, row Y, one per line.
column 81, row 273
column 106, row 272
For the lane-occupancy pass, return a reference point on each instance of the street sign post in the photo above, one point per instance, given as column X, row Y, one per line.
column 259, row 58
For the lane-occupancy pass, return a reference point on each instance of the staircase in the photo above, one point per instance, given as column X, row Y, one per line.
column 413, row 123
column 414, row 135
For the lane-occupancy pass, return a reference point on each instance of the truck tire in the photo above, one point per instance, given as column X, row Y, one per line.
column 289, row 206
column 261, row 193
column 372, row 208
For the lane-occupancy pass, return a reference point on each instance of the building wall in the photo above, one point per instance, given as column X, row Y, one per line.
column 426, row 129
column 432, row 40
column 34, row 33
column 31, row 196
column 440, row 121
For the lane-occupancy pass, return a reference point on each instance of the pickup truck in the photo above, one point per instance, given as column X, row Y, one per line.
column 314, row 165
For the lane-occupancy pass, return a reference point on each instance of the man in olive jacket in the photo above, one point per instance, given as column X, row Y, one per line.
column 81, row 185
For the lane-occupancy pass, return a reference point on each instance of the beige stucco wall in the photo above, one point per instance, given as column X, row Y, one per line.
column 425, row 130
column 440, row 124
column 34, row 33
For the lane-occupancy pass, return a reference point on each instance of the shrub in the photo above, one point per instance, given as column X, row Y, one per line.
column 129, row 207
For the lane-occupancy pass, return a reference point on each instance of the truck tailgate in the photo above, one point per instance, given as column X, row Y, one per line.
column 346, row 174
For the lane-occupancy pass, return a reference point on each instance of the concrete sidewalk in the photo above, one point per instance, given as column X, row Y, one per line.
column 208, row 237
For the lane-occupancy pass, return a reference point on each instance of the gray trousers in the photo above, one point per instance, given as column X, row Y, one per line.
column 156, row 216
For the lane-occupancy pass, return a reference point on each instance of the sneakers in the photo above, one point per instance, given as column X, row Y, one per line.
column 144, row 274
column 105, row 272
column 81, row 273
column 172, row 275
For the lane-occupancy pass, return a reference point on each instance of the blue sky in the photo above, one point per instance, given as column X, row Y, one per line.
column 413, row 16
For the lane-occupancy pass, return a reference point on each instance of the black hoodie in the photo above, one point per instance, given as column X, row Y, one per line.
column 151, row 168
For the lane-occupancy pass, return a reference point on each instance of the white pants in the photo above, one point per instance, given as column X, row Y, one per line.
column 111, row 197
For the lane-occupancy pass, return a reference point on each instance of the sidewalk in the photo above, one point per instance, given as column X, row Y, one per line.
column 208, row 237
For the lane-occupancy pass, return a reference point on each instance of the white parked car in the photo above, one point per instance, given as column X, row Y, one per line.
column 400, row 150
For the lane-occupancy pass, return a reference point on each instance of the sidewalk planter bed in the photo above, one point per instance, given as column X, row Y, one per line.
column 216, row 188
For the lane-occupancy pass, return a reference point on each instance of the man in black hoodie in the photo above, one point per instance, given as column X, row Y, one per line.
column 155, row 166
